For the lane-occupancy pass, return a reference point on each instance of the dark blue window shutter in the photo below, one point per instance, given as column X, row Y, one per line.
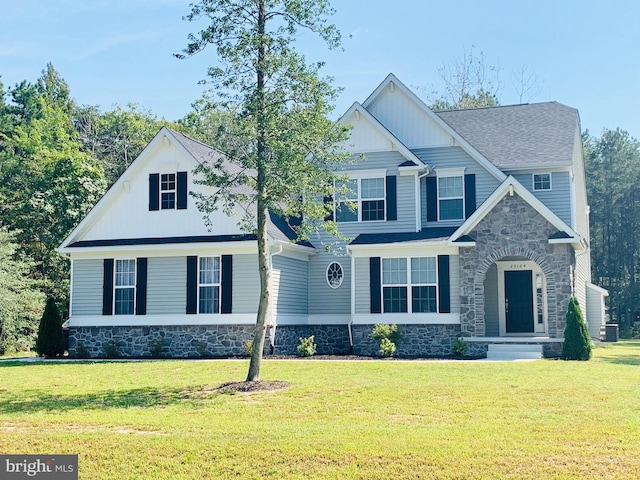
column 192, row 285
column 432, row 199
column 141, row 286
column 374, row 285
column 392, row 204
column 444, row 287
column 107, row 287
column 227, row 284
column 469, row 194
column 182, row 191
column 154, row 191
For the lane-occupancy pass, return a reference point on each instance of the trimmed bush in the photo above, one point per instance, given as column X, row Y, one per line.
column 388, row 336
column 577, row 342
column 307, row 348
column 50, row 341
column 459, row 347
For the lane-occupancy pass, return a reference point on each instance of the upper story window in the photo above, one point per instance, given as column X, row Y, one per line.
column 209, row 285
column 125, row 287
column 409, row 285
column 364, row 201
column 451, row 197
column 168, row 191
column 541, row 181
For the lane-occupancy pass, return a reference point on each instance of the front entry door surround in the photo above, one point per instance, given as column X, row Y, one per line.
column 521, row 298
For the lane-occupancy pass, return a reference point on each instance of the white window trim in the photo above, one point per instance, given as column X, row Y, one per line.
column 124, row 287
column 219, row 284
column 533, row 182
column 408, row 284
column 326, row 276
column 174, row 190
column 449, row 173
column 358, row 179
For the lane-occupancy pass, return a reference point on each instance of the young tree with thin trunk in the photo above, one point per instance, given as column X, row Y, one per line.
column 280, row 147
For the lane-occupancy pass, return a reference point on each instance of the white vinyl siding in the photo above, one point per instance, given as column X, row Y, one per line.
column 166, row 285
column 290, row 281
column 86, row 290
column 558, row 199
column 322, row 298
column 245, row 284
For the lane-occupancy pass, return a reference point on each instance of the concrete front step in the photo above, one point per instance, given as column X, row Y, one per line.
column 514, row 351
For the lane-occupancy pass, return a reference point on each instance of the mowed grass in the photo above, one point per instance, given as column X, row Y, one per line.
column 359, row 419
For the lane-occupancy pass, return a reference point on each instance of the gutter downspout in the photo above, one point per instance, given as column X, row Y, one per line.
column 353, row 297
column 272, row 323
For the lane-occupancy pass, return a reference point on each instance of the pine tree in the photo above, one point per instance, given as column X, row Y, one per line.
column 50, row 336
column 577, row 343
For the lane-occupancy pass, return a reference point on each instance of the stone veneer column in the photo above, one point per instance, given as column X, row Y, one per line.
column 514, row 228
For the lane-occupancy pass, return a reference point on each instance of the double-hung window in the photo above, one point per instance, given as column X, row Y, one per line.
column 168, row 191
column 409, row 285
column 541, row 181
column 451, row 197
column 209, row 285
column 125, row 287
column 423, row 284
column 361, row 200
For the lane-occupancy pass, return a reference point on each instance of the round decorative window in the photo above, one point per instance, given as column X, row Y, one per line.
column 334, row 275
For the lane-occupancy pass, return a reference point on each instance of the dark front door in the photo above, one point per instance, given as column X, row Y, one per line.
column 518, row 301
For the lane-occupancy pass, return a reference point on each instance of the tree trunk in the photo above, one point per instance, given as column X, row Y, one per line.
column 263, row 247
column 263, row 306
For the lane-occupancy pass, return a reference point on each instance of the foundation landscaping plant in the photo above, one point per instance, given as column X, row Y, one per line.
column 186, row 419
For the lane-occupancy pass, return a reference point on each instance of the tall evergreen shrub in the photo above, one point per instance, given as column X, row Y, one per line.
column 50, row 341
column 577, row 342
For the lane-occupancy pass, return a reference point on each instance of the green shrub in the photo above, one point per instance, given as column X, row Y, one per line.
column 50, row 341
column 110, row 349
column 307, row 348
column 80, row 351
column 248, row 347
column 459, row 347
column 577, row 342
column 388, row 336
column 155, row 348
column 387, row 348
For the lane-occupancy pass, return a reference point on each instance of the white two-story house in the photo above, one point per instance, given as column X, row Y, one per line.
column 465, row 224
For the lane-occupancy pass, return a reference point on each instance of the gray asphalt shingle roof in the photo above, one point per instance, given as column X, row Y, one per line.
column 518, row 135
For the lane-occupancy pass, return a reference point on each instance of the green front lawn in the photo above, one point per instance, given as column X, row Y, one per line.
column 360, row 419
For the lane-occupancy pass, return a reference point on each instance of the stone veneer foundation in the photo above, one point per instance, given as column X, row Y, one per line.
column 415, row 340
column 177, row 341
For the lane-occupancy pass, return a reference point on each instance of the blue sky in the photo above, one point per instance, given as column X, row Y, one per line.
column 584, row 53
